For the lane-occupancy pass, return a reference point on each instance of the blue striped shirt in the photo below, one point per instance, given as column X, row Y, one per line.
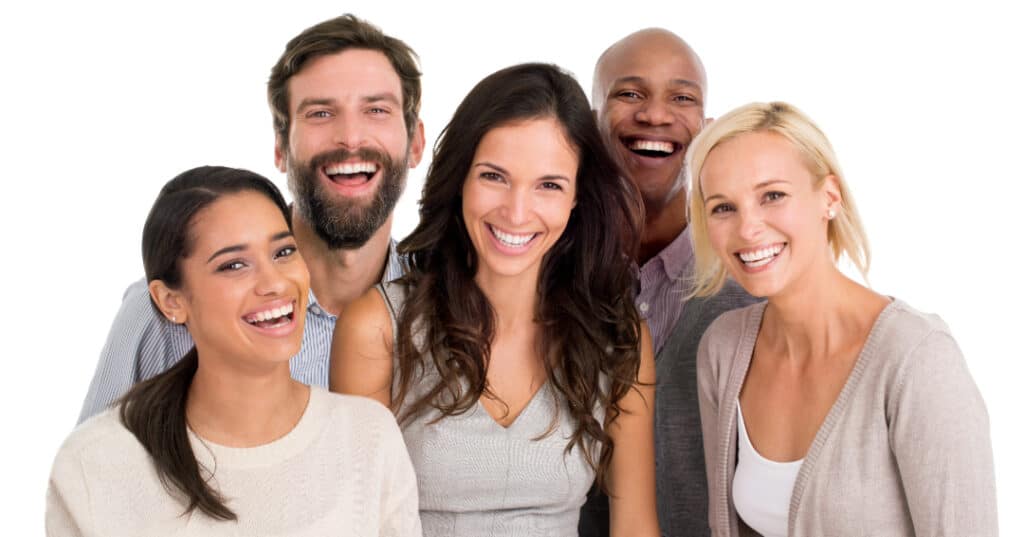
column 142, row 343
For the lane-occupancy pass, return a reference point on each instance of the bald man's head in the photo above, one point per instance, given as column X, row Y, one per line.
column 648, row 94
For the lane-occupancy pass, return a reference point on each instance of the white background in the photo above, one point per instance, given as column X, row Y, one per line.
column 102, row 103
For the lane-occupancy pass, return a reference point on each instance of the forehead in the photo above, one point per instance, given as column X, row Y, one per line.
column 654, row 58
column 531, row 146
column 237, row 218
column 351, row 73
column 752, row 158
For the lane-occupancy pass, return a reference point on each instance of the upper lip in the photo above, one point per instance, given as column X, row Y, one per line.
column 269, row 306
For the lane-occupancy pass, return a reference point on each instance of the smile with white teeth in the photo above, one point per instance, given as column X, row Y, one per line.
column 272, row 317
column 651, row 146
column 761, row 256
column 351, row 170
column 511, row 239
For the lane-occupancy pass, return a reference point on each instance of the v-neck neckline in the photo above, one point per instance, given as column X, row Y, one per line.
column 526, row 408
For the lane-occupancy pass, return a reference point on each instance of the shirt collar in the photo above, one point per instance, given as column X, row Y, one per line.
column 677, row 257
column 394, row 267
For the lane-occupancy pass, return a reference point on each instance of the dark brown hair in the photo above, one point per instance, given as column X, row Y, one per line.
column 154, row 409
column 333, row 36
column 589, row 325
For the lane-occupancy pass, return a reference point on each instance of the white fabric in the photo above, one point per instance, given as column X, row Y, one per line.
column 762, row 488
column 343, row 470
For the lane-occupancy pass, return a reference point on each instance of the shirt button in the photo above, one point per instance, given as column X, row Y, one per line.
column 316, row 310
column 644, row 307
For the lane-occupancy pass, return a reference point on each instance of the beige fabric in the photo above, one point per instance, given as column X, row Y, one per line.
column 905, row 449
column 343, row 470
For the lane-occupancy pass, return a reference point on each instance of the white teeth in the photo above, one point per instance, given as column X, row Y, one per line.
column 652, row 145
column 762, row 256
column 273, row 313
column 510, row 239
column 350, row 168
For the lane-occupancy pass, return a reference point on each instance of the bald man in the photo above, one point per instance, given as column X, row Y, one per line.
column 648, row 96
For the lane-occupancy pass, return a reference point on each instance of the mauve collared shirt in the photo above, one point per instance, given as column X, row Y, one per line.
column 664, row 283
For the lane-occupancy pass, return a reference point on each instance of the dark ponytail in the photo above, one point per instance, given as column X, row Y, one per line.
column 154, row 410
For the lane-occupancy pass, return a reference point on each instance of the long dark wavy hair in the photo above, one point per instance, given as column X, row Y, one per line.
column 588, row 323
column 154, row 410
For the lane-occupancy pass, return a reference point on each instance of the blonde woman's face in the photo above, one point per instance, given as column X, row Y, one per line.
column 767, row 221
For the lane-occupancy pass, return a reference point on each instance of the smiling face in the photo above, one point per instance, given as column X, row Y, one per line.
column 649, row 96
column 349, row 149
column 244, row 285
column 518, row 196
column 767, row 215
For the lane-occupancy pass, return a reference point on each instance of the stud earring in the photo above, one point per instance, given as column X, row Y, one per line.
column 174, row 319
column 831, row 214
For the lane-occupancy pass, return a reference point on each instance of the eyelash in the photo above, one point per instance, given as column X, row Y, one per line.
column 550, row 185
column 774, row 195
column 287, row 251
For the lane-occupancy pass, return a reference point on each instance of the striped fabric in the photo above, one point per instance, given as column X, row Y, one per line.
column 142, row 343
column 664, row 283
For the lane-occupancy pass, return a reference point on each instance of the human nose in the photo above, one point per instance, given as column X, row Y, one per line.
column 269, row 280
column 348, row 132
column 517, row 206
column 654, row 112
column 751, row 224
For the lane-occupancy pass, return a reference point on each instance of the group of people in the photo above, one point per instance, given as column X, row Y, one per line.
column 614, row 317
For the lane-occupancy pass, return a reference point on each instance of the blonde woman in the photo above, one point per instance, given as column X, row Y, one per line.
column 829, row 409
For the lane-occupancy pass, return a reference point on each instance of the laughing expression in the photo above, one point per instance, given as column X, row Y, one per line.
column 518, row 196
column 765, row 217
column 349, row 149
column 245, row 285
column 649, row 95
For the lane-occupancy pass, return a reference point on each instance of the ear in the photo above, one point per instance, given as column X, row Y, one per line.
column 417, row 145
column 170, row 302
column 832, row 194
column 280, row 162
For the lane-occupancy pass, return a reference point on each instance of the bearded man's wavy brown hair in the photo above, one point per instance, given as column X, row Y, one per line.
column 589, row 326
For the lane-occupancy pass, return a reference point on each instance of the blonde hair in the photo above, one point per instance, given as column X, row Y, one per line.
column 845, row 231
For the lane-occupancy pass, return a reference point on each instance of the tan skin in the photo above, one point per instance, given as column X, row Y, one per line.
column 350, row 99
column 651, row 86
column 243, row 261
column 525, row 196
column 758, row 193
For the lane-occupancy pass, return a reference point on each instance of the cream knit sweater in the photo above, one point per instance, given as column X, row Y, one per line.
column 343, row 470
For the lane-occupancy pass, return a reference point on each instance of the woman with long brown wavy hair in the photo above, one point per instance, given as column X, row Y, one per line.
column 511, row 351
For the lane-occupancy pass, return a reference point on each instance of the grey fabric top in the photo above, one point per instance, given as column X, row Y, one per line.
column 478, row 479
column 679, row 452
column 904, row 450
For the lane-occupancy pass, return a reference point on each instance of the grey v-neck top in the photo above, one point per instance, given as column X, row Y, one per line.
column 904, row 450
column 477, row 478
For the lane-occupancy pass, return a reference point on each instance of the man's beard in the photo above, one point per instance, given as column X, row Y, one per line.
column 344, row 223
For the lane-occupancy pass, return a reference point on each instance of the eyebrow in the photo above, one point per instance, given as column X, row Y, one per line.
column 242, row 247
column 642, row 80
column 327, row 101
column 547, row 177
column 758, row 186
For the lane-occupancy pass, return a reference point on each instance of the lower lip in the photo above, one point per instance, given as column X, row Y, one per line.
column 283, row 330
column 651, row 162
column 352, row 188
column 754, row 270
column 510, row 250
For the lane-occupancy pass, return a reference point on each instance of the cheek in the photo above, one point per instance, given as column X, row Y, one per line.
column 719, row 233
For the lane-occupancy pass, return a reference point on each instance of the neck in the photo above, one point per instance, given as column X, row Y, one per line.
column 514, row 300
column 662, row 224
column 244, row 408
column 338, row 277
column 823, row 316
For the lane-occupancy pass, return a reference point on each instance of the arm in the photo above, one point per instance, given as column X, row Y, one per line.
column 361, row 353
column 632, row 506
column 939, row 434
column 707, row 399
column 400, row 513
column 140, row 344
column 65, row 496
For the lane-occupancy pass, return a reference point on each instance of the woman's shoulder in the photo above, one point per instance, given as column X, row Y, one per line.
column 96, row 438
column 901, row 331
column 731, row 327
column 354, row 412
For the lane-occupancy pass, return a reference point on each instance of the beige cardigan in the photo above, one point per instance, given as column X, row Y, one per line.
column 904, row 450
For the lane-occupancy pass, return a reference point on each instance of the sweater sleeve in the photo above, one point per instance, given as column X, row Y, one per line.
column 707, row 399
column 67, row 498
column 939, row 433
column 400, row 513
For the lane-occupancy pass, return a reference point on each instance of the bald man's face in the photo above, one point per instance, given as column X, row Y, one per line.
column 650, row 106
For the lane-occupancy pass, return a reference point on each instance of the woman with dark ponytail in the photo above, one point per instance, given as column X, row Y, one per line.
column 226, row 442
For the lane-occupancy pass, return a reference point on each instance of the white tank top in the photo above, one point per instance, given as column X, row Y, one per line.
column 761, row 489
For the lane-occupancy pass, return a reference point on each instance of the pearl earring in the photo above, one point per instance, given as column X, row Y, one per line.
column 174, row 319
column 831, row 214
